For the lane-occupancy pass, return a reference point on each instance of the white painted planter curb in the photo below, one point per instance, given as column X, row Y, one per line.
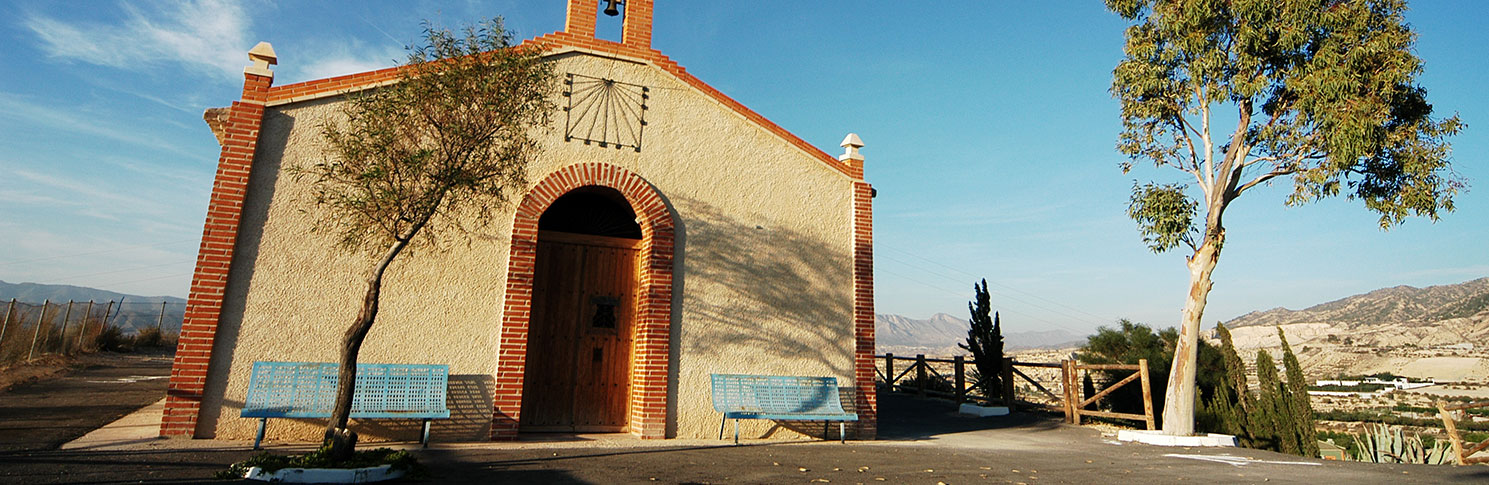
column 325, row 475
column 1154, row 437
column 982, row 411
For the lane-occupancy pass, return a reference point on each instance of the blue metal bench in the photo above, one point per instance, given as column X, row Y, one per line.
column 308, row 390
column 787, row 398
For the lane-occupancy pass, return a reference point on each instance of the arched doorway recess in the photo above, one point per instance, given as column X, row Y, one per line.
column 645, row 404
column 578, row 371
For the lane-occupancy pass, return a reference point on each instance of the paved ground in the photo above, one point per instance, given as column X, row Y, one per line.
column 921, row 442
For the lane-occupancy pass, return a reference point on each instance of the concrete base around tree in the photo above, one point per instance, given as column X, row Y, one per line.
column 1155, row 437
column 982, row 411
column 325, row 475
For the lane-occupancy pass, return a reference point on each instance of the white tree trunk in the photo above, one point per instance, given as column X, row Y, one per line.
column 1179, row 399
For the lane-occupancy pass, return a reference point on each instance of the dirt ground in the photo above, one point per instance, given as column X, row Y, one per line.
column 48, row 404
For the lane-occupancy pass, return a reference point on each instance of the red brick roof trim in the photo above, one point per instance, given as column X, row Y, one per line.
column 320, row 88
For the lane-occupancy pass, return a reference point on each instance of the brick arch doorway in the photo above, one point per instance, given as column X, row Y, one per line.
column 646, row 403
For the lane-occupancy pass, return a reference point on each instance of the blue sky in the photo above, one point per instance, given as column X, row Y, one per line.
column 988, row 125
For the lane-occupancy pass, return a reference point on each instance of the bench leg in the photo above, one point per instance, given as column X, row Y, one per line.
column 425, row 439
column 721, row 426
column 263, row 422
column 843, row 432
column 736, row 431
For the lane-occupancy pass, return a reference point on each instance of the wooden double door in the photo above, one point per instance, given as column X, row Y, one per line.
column 579, row 344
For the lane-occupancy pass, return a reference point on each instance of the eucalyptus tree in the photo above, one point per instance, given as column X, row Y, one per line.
column 433, row 153
column 1320, row 92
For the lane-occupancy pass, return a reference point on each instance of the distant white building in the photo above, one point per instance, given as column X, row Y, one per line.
column 1399, row 384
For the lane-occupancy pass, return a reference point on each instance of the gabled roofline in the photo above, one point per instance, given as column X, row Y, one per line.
column 561, row 43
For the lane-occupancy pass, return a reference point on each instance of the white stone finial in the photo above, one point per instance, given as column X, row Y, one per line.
column 262, row 56
column 851, row 144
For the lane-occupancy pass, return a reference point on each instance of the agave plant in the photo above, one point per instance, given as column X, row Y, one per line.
column 1388, row 444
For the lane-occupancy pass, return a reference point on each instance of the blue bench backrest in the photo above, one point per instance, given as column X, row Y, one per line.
column 308, row 390
column 776, row 394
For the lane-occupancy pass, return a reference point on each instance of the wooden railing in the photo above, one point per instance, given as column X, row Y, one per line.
column 927, row 377
column 927, row 374
column 1075, row 404
column 1462, row 451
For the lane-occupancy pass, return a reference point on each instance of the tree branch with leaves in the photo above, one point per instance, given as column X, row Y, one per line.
column 1322, row 92
column 433, row 154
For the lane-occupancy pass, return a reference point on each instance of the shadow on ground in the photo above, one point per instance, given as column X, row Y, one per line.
column 905, row 417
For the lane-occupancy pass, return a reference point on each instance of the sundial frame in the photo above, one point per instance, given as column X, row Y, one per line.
column 604, row 111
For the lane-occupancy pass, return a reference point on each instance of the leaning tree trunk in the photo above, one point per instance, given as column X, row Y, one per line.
column 341, row 441
column 1179, row 399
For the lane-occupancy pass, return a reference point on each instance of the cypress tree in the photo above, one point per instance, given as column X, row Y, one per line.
column 1298, row 405
column 1228, row 404
column 1274, row 428
column 985, row 342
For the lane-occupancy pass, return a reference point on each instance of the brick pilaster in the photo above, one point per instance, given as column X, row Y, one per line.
column 214, row 256
column 635, row 30
column 581, row 18
column 866, row 399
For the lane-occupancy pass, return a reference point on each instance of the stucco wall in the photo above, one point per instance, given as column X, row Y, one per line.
column 763, row 270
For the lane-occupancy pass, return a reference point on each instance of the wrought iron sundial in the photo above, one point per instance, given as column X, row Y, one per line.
column 603, row 111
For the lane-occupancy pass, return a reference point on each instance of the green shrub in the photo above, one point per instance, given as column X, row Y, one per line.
column 269, row 462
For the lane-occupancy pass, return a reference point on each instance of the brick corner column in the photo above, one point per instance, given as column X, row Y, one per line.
column 866, row 396
column 239, row 138
column 866, row 400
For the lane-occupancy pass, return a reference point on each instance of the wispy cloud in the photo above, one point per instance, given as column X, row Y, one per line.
column 206, row 36
column 18, row 108
column 338, row 58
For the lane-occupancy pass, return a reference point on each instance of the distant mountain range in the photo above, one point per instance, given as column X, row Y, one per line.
column 940, row 334
column 1402, row 305
column 131, row 312
column 1440, row 332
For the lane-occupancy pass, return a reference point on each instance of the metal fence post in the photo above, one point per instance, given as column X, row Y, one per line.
column 37, row 335
column 160, row 320
column 83, row 328
column 62, row 336
column 6, row 324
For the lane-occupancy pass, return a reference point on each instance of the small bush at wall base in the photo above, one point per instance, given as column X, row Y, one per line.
column 269, row 462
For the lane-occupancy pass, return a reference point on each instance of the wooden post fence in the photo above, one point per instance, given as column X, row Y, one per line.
column 920, row 377
column 1462, row 451
column 960, row 364
column 1078, row 403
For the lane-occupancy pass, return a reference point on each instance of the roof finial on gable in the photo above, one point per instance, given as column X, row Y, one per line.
column 262, row 56
column 851, row 144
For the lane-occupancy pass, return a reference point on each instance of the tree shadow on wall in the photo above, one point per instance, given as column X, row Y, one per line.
column 780, row 294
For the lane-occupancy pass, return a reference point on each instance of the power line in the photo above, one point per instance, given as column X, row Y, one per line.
column 91, row 253
column 1010, row 288
column 1014, row 312
column 1001, row 294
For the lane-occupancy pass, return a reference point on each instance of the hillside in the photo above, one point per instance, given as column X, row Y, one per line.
column 940, row 334
column 131, row 312
column 1395, row 305
column 1438, row 331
